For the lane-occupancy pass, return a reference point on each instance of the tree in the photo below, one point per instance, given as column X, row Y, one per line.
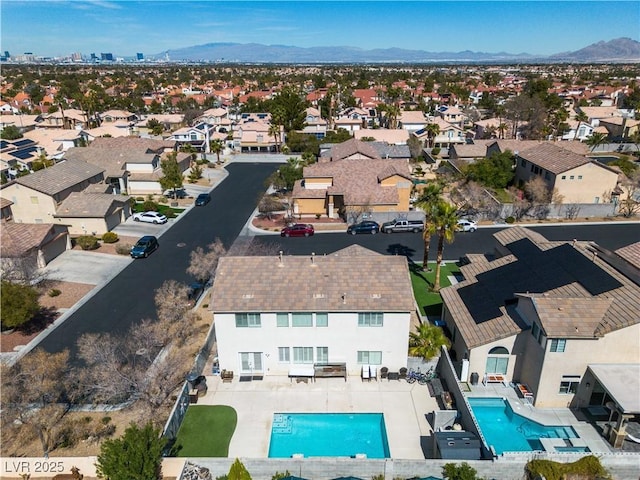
column 495, row 171
column 171, row 175
column 414, row 144
column 629, row 205
column 203, row 263
column 427, row 341
column 464, row 471
column 19, row 304
column 216, row 146
column 155, row 127
column 433, row 129
column 238, row 471
column 541, row 195
column 268, row 205
column 137, row 455
column 579, row 117
column 289, row 109
column 445, row 219
column 596, row 139
column 10, row 132
column 429, row 197
column 195, row 173
column 286, row 176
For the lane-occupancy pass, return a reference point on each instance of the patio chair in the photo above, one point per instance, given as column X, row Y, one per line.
column 365, row 373
column 373, row 372
column 383, row 372
column 403, row 373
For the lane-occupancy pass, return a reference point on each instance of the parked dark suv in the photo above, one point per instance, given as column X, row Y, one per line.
column 364, row 227
column 202, row 199
column 144, row 247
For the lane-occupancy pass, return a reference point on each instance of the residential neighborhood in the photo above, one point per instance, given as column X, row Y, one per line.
column 149, row 280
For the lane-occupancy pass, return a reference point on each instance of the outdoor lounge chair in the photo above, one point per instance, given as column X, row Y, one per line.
column 403, row 373
column 383, row 372
column 365, row 373
column 373, row 372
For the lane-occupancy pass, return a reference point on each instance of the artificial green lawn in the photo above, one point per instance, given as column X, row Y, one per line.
column 430, row 303
column 166, row 210
column 206, row 431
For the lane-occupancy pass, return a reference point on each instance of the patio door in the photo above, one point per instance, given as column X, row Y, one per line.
column 251, row 363
column 497, row 361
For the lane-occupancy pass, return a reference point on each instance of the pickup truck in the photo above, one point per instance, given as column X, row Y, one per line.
column 398, row 225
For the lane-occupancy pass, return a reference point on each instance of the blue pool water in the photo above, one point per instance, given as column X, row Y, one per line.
column 328, row 435
column 509, row 432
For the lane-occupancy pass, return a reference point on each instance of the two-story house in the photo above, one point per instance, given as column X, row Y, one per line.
column 577, row 178
column 541, row 313
column 351, row 307
column 199, row 136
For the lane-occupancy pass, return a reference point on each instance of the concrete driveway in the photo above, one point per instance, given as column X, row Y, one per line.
column 91, row 268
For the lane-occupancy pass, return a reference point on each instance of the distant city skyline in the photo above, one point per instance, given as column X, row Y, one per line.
column 59, row 28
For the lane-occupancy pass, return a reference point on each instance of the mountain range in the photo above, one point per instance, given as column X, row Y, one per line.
column 619, row 50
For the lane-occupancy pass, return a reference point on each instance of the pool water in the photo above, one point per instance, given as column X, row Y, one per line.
column 328, row 435
column 507, row 431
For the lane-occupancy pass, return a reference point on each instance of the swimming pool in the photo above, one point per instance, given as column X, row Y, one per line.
column 507, row 431
column 328, row 435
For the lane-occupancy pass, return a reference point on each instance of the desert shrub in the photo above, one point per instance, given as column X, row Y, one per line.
column 150, row 206
column 87, row 242
column 54, row 292
column 163, row 200
column 105, row 420
column 510, row 220
column 123, row 249
column 110, row 237
column 139, row 199
column 588, row 467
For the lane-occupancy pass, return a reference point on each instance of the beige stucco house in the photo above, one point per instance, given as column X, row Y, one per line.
column 343, row 311
column 353, row 176
column 541, row 312
column 575, row 177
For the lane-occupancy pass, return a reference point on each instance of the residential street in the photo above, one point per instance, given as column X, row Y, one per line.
column 128, row 298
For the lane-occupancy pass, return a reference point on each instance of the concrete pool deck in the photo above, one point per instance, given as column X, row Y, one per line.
column 404, row 406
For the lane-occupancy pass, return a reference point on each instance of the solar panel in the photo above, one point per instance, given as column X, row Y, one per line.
column 4, row 144
column 24, row 153
column 24, row 142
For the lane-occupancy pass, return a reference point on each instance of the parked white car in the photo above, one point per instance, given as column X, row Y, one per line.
column 149, row 217
column 465, row 225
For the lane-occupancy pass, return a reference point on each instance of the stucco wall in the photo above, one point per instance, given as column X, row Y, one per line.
column 342, row 336
column 29, row 206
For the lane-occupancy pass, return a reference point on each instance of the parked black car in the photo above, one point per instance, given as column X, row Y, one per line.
column 144, row 247
column 364, row 227
column 202, row 199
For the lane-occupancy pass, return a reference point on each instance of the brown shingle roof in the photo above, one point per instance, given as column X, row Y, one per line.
column 347, row 281
column 18, row 239
column 60, row 176
column 90, row 205
column 562, row 273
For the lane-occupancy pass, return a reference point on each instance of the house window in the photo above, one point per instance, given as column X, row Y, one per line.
column 34, row 200
column 322, row 354
column 283, row 355
column 579, row 177
column 564, row 177
column 282, row 319
column 301, row 319
column 569, row 384
column 369, row 358
column 558, row 344
column 322, row 319
column 571, row 177
column 302, row 354
column 247, row 320
column 194, row 136
column 370, row 319
column 497, row 361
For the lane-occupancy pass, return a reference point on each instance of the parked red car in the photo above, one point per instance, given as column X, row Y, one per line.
column 297, row 230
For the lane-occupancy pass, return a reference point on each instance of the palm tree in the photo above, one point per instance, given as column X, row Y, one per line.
column 216, row 147
column 428, row 199
column 427, row 341
column 446, row 222
column 433, row 129
column 274, row 131
column 579, row 117
column 596, row 139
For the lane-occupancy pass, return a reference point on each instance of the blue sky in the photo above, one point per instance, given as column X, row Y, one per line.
column 60, row 27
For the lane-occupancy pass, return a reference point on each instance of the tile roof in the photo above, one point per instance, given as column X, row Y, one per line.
column 352, row 147
column 18, row 239
column 357, row 180
column 60, row 176
column 631, row 253
column 397, row 136
column 112, row 160
column 553, row 158
column 568, row 274
column 89, row 205
column 346, row 281
column 134, row 143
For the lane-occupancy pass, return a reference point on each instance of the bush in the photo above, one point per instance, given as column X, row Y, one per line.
column 110, row 237
column 139, row 199
column 588, row 467
column 54, row 292
column 510, row 220
column 87, row 242
column 150, row 206
column 105, row 420
column 123, row 249
column 435, row 151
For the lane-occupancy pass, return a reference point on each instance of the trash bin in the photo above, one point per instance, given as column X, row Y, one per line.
column 192, row 378
column 474, row 378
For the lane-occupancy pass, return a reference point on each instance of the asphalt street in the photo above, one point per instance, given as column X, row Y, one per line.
column 128, row 297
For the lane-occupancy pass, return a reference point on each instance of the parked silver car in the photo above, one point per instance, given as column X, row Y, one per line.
column 149, row 217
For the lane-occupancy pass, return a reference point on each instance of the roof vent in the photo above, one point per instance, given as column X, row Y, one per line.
column 319, row 295
column 313, row 259
column 280, row 264
column 344, row 298
column 247, row 295
column 376, row 295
